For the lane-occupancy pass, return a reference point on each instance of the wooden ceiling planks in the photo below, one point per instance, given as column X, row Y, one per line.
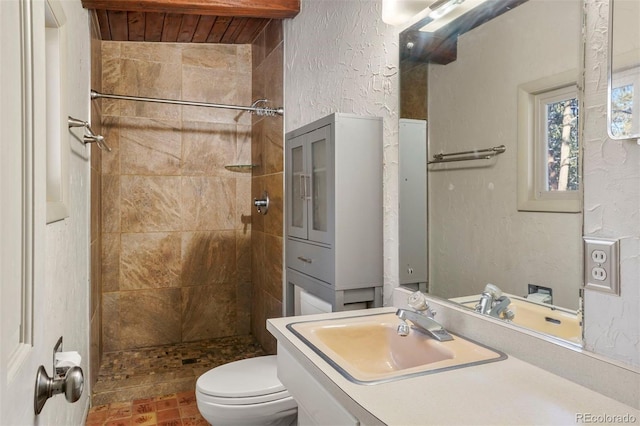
column 188, row 21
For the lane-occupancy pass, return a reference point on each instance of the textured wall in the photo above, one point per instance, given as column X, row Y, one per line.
column 341, row 57
column 611, row 204
column 267, row 156
column 478, row 236
column 176, row 258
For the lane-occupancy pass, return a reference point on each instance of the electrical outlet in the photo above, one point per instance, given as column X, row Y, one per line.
column 601, row 265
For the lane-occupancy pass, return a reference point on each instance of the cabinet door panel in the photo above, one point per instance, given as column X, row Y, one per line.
column 320, row 166
column 296, row 188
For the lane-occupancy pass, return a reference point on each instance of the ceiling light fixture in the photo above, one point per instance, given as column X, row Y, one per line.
column 400, row 12
column 444, row 9
column 447, row 12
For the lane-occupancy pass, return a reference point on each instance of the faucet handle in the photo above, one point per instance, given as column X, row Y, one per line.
column 417, row 301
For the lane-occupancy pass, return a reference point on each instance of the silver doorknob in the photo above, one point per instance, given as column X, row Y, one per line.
column 72, row 385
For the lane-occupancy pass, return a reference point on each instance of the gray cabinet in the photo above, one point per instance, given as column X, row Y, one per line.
column 333, row 187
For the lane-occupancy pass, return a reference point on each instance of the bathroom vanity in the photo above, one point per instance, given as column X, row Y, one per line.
column 508, row 391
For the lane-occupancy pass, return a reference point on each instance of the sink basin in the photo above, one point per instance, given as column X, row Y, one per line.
column 540, row 317
column 366, row 349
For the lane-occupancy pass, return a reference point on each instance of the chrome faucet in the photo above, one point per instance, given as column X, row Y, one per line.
column 493, row 303
column 423, row 323
column 422, row 318
column 501, row 309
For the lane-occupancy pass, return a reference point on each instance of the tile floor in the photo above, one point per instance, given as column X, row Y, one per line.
column 156, row 386
column 177, row 409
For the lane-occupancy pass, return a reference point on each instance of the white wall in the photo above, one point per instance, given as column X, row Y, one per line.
column 341, row 57
column 477, row 234
column 611, row 205
column 65, row 299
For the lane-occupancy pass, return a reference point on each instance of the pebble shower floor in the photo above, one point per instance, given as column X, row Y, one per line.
column 156, row 386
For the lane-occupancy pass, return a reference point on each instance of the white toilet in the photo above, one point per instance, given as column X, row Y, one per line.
column 245, row 392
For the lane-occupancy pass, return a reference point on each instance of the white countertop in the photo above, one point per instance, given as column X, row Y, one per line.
column 509, row 392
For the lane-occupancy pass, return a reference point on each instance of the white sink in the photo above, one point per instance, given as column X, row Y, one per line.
column 367, row 349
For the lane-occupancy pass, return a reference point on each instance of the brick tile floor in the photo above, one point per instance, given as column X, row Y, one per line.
column 176, row 409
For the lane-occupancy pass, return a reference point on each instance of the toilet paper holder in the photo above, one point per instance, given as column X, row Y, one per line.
column 68, row 380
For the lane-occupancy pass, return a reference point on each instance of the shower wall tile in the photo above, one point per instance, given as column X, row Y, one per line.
column 225, row 57
column 110, row 262
column 153, row 80
column 208, row 311
column 110, row 203
column 111, row 322
column 272, row 309
column 273, row 249
column 272, row 145
column 243, row 303
column 150, row 260
column 208, row 258
column 274, row 220
column 243, row 256
column 150, row 147
column 203, row 85
column 244, row 202
column 168, row 53
column 177, row 225
column 95, row 311
column 257, row 259
column 111, row 75
column 257, row 156
column 111, row 133
column 150, row 203
column 149, row 317
column 258, row 326
column 207, row 148
column 267, row 142
column 111, row 49
column 273, row 84
column 243, row 144
column 211, row 203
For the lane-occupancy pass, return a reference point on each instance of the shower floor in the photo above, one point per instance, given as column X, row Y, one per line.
column 168, row 369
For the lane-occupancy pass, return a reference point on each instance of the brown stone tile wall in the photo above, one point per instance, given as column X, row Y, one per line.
column 267, row 154
column 95, row 309
column 176, row 262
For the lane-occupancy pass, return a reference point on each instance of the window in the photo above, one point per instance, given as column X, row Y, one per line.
column 625, row 101
column 549, row 146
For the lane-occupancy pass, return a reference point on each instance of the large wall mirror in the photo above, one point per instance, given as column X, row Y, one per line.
column 624, row 70
column 467, row 81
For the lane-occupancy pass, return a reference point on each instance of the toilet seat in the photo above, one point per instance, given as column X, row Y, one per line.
column 245, row 382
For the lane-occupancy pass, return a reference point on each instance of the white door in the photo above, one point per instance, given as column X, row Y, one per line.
column 21, row 209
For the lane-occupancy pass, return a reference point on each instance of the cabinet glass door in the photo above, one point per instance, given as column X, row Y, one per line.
column 320, row 172
column 297, row 191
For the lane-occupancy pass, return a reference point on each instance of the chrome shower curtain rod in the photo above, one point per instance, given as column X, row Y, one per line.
column 258, row 107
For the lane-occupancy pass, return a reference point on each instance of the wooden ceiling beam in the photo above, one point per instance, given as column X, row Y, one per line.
column 269, row 9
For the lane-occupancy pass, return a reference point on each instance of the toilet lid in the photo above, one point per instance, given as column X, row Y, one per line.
column 242, row 379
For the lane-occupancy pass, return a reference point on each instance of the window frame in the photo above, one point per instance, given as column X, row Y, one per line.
column 532, row 146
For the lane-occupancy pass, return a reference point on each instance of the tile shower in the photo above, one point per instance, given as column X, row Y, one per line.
column 178, row 233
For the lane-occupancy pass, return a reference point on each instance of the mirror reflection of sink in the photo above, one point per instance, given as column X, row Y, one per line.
column 540, row 317
column 367, row 349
